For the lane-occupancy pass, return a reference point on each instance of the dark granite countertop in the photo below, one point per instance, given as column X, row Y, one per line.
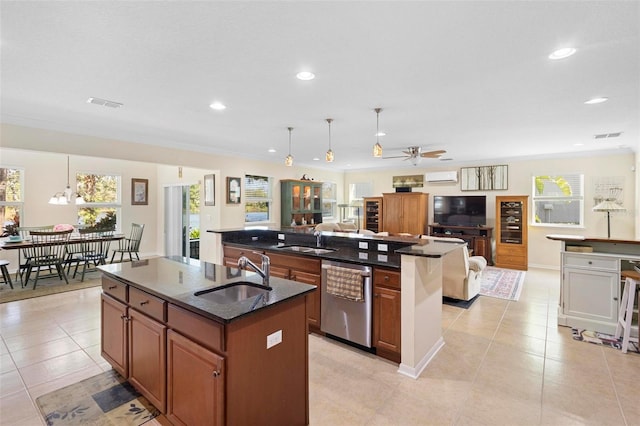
column 177, row 279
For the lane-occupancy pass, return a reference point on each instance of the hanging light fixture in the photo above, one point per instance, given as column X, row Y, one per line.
column 64, row 197
column 329, row 156
column 288, row 161
column 377, row 148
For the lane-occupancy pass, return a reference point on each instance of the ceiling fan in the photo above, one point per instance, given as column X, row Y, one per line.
column 415, row 154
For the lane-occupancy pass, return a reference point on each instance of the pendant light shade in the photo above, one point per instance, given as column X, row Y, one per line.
column 288, row 161
column 377, row 148
column 64, row 197
column 329, row 156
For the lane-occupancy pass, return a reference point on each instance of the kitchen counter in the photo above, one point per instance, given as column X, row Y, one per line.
column 176, row 280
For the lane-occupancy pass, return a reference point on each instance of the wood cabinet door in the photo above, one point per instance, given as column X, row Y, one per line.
column 195, row 383
column 313, row 298
column 279, row 272
column 113, row 338
column 386, row 319
column 392, row 216
column 147, row 360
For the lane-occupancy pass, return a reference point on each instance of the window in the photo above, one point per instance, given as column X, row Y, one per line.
column 558, row 200
column 329, row 200
column 101, row 194
column 11, row 198
column 258, row 198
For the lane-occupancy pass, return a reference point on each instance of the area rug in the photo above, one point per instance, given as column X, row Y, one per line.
column 501, row 283
column 602, row 339
column 47, row 286
column 105, row 399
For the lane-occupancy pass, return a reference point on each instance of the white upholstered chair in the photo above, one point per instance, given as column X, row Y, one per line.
column 461, row 273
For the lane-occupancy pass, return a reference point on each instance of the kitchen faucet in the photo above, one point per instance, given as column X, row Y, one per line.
column 263, row 271
column 318, row 235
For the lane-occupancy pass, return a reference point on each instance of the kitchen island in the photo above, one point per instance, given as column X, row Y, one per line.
column 217, row 358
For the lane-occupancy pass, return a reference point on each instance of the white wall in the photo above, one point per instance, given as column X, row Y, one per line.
column 542, row 251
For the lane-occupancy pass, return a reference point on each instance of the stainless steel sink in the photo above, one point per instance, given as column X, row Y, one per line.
column 304, row 249
column 234, row 292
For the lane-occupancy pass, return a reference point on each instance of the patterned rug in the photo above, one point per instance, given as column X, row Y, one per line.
column 105, row 399
column 502, row 283
column 602, row 339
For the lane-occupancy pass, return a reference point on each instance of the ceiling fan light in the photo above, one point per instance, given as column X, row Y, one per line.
column 377, row 150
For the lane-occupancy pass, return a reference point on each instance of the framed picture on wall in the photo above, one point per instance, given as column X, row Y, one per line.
column 139, row 192
column 233, row 190
column 210, row 190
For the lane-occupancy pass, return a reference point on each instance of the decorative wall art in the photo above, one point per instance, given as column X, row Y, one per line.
column 233, row 190
column 412, row 181
column 139, row 192
column 484, row 178
column 210, row 190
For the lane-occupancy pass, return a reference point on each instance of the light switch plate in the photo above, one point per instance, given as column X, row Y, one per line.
column 364, row 256
column 281, row 236
column 382, row 247
column 274, row 339
column 363, row 245
column 382, row 258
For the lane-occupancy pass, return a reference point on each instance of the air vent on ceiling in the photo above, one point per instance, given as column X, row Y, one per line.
column 607, row 135
column 104, row 102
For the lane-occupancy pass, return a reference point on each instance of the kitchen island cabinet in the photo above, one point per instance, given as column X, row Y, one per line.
column 386, row 313
column 201, row 360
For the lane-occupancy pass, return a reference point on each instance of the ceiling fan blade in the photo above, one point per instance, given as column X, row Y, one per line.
column 433, row 154
column 397, row 156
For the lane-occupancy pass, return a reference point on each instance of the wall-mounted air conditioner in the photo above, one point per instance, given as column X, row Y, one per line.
column 440, row 177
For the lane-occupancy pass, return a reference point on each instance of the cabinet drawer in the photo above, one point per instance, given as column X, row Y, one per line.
column 590, row 261
column 114, row 288
column 299, row 263
column 147, row 304
column 511, row 260
column 236, row 252
column 512, row 250
column 206, row 332
column 386, row 278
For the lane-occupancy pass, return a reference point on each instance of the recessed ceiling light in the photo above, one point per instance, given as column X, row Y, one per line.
column 218, row 106
column 596, row 101
column 272, row 150
column 305, row 75
column 578, row 144
column 565, row 52
column 380, row 134
column 316, row 159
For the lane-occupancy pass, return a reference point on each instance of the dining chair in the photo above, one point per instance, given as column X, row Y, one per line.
column 23, row 260
column 46, row 251
column 94, row 246
column 130, row 245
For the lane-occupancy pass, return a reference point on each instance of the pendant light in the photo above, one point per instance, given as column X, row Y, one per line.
column 288, row 161
column 329, row 156
column 64, row 197
column 377, row 148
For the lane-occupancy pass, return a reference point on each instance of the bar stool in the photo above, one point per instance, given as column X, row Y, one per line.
column 5, row 272
column 625, row 316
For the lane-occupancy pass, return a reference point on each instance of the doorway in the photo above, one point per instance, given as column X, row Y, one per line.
column 182, row 221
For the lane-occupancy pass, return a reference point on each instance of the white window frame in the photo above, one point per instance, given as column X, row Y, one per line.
column 268, row 199
column 19, row 205
column 117, row 205
column 536, row 198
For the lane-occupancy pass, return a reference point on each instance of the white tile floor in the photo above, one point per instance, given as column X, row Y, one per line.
column 503, row 363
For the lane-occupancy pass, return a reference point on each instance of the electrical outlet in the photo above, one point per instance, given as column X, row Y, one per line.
column 382, row 258
column 281, row 237
column 363, row 256
column 363, row 245
column 274, row 339
column 382, row 247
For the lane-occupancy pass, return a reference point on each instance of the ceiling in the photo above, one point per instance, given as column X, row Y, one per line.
column 471, row 78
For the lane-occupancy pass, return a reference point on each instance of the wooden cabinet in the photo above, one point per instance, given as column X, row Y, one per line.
column 373, row 214
column 195, row 383
column 232, row 254
column 511, row 232
column 405, row 212
column 301, row 202
column 114, row 334
column 305, row 270
column 386, row 313
column 478, row 238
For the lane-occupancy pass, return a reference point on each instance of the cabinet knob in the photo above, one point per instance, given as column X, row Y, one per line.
column 113, row 287
column 386, row 277
column 216, row 373
column 125, row 318
column 590, row 262
column 146, row 302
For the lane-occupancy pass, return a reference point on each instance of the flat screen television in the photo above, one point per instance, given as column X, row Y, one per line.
column 460, row 210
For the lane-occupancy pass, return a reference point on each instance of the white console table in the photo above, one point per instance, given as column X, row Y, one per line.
column 590, row 280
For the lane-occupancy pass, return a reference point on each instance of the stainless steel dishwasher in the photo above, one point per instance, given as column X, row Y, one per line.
column 346, row 301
